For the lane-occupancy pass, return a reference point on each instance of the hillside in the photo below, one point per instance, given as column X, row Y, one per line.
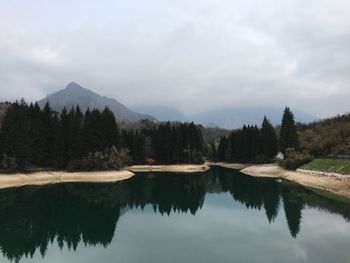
column 74, row 95
column 327, row 137
column 329, row 165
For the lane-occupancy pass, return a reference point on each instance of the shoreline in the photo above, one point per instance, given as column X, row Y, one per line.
column 329, row 186
column 57, row 177
column 169, row 168
column 235, row 166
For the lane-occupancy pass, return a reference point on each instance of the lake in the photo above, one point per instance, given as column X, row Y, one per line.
column 217, row 216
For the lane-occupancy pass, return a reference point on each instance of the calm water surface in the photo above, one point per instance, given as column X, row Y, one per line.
column 217, row 216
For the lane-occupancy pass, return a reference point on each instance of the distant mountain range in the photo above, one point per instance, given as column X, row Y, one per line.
column 229, row 118
column 74, row 95
column 162, row 113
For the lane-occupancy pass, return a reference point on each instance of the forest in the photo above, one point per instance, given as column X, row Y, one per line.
column 329, row 137
column 259, row 145
column 32, row 137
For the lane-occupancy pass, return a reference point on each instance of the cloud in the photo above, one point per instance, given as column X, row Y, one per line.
column 193, row 55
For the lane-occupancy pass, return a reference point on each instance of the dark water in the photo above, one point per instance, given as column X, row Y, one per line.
column 217, row 216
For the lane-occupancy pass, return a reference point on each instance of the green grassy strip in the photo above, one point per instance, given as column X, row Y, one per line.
column 329, row 165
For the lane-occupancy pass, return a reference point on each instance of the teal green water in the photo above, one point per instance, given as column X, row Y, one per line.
column 217, row 216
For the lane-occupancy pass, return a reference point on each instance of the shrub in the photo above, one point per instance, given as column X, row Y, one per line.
column 111, row 159
column 294, row 160
column 9, row 164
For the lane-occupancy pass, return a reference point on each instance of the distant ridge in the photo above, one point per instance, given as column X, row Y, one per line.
column 236, row 117
column 162, row 113
column 74, row 95
column 228, row 118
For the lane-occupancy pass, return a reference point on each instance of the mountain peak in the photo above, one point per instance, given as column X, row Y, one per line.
column 73, row 86
column 74, row 95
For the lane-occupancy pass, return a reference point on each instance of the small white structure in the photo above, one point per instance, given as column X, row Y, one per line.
column 279, row 156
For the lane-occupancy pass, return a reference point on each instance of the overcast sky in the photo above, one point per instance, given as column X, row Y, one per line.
column 190, row 54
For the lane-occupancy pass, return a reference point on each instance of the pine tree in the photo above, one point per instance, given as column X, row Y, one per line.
column 268, row 139
column 288, row 133
column 110, row 129
column 222, row 148
column 16, row 134
column 47, row 126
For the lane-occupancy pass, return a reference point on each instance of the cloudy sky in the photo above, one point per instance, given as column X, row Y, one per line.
column 193, row 55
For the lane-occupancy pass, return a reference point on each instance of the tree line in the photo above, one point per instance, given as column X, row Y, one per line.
column 165, row 143
column 254, row 144
column 329, row 137
column 33, row 137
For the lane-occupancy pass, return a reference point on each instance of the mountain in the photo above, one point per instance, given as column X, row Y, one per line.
column 162, row 113
column 74, row 95
column 231, row 118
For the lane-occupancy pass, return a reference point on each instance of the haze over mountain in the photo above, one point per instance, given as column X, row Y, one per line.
column 236, row 117
column 229, row 118
column 162, row 113
column 74, row 95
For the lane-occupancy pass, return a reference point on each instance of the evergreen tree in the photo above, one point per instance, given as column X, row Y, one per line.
column 288, row 133
column 110, row 129
column 222, row 148
column 268, row 139
column 62, row 143
column 16, row 134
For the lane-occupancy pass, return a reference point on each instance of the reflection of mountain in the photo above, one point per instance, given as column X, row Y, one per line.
column 32, row 218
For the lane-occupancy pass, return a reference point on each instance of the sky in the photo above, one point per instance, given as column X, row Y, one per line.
column 193, row 55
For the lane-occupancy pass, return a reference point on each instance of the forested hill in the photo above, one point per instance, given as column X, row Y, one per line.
column 74, row 95
column 31, row 138
column 327, row 137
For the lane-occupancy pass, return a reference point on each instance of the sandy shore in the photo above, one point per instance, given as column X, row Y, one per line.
column 236, row 166
column 323, row 184
column 337, row 186
column 41, row 178
column 173, row 168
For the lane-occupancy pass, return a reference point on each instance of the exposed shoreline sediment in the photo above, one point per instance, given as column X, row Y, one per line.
column 336, row 186
column 171, row 168
column 56, row 177
column 330, row 185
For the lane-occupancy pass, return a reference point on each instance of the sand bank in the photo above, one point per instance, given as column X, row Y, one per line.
column 173, row 168
column 41, row 178
column 338, row 186
column 236, row 166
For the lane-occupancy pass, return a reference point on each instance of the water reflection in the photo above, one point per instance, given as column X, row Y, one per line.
column 31, row 218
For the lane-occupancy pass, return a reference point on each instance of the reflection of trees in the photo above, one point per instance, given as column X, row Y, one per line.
column 33, row 217
column 271, row 200
column 252, row 192
column 264, row 192
column 168, row 193
column 38, row 216
column 293, row 205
